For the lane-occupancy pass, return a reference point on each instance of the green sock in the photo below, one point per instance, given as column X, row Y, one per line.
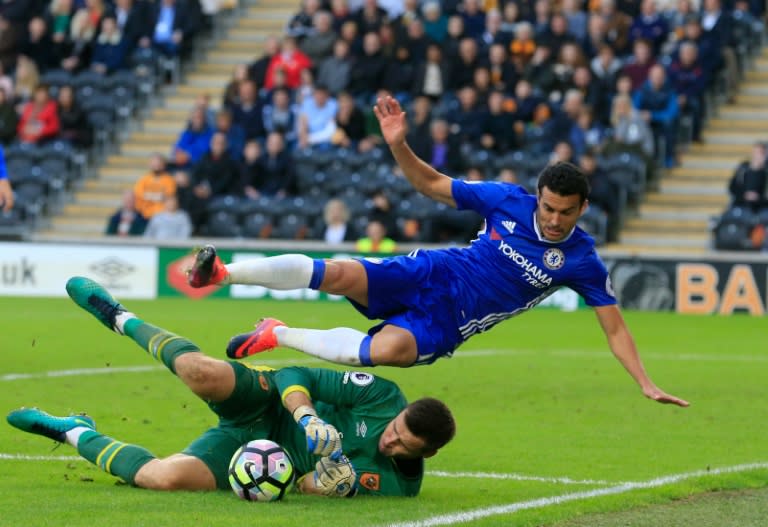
column 161, row 344
column 119, row 459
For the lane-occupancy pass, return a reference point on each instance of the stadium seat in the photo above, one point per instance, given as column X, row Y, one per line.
column 360, row 223
column 223, row 224
column 481, row 159
column 223, row 204
column 305, row 177
column 123, row 87
column 57, row 169
column 88, row 84
column 733, row 236
column 27, row 150
column 306, row 206
column 12, row 224
column 55, row 79
column 98, row 101
column 514, row 160
column 339, row 181
column 19, row 167
column 595, row 222
column 291, row 227
column 32, row 197
column 762, row 216
column 257, row 225
column 740, row 214
column 103, row 122
column 356, row 202
column 356, row 160
column 246, row 206
column 317, row 195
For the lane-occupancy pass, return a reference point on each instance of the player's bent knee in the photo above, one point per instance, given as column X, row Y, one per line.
column 178, row 472
column 347, row 278
column 158, row 475
column 204, row 376
column 393, row 346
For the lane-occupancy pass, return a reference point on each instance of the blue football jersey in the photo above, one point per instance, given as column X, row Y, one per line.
column 511, row 267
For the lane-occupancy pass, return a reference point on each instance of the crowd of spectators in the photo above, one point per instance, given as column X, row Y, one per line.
column 493, row 89
column 69, row 70
column 76, row 36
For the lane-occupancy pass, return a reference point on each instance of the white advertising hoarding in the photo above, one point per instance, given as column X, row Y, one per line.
column 31, row 269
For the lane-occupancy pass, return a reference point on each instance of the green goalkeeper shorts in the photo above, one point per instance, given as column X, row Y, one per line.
column 253, row 411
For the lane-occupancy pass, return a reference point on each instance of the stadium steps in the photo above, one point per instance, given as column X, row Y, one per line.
column 679, row 214
column 240, row 41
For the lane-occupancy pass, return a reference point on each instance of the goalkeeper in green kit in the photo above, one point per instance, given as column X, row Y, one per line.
column 346, row 432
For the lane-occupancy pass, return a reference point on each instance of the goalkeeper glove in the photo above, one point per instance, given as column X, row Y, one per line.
column 334, row 478
column 322, row 439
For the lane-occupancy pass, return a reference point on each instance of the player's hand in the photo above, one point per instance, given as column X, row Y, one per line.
column 660, row 396
column 391, row 120
column 334, row 478
column 6, row 195
column 322, row 439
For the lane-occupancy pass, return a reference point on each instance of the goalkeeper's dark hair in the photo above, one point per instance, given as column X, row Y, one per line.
column 432, row 421
column 565, row 179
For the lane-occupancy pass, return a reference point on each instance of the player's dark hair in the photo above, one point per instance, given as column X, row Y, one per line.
column 432, row 421
column 565, row 179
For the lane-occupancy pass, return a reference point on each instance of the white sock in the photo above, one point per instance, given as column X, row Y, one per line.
column 121, row 319
column 287, row 271
column 340, row 345
column 73, row 436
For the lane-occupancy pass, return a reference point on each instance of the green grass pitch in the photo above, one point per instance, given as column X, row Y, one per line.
column 538, row 399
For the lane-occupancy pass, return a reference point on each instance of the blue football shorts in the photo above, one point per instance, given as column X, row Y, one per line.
column 406, row 292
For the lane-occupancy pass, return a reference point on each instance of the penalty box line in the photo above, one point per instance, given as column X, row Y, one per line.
column 435, row 473
column 510, row 508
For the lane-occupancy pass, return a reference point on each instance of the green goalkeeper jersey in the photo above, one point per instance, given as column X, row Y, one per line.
column 360, row 406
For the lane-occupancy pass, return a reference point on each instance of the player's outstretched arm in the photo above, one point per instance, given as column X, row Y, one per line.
column 6, row 195
column 322, row 438
column 423, row 177
column 623, row 347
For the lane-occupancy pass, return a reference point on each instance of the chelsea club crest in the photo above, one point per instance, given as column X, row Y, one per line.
column 554, row 259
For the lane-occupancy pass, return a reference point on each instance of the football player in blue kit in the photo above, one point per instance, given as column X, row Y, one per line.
column 431, row 301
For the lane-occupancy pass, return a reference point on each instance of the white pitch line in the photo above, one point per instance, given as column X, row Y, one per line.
column 496, row 510
column 469, row 354
column 76, row 372
column 24, row 457
column 522, row 477
column 437, row 473
column 123, row 369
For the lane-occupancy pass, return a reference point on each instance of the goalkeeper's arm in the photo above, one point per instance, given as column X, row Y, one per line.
column 322, row 438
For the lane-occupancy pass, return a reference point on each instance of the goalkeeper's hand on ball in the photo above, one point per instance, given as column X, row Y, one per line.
column 334, row 477
column 322, row 438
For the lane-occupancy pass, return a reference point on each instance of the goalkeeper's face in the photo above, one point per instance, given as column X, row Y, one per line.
column 398, row 441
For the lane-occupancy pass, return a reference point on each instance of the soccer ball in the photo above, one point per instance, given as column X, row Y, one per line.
column 261, row 470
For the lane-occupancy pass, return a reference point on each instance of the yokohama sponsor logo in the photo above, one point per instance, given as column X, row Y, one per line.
column 533, row 275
